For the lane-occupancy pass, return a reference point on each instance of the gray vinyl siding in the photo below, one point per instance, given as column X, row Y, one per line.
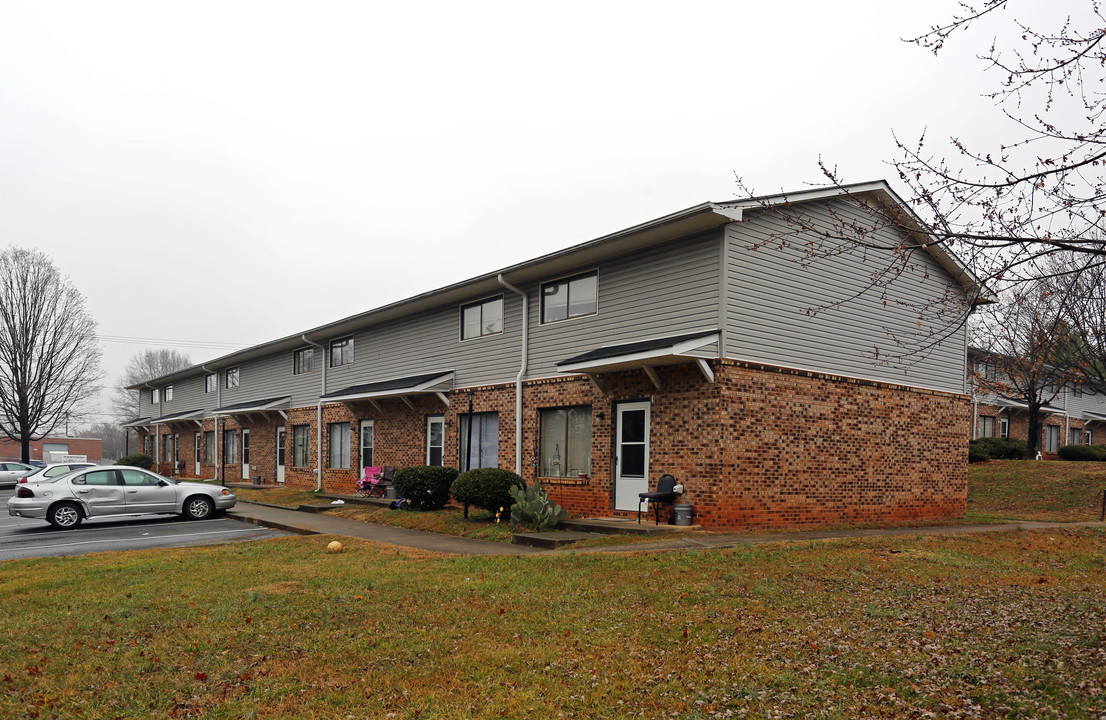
column 271, row 377
column 656, row 293
column 431, row 342
column 773, row 292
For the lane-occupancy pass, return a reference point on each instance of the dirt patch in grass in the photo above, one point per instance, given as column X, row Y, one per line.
column 1037, row 490
column 1002, row 625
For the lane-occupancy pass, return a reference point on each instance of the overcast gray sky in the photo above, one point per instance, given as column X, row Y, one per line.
column 226, row 173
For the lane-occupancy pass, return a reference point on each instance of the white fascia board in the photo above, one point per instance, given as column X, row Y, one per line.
column 431, row 386
column 643, row 358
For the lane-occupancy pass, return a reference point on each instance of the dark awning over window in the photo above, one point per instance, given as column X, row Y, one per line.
column 190, row 416
column 430, row 383
column 255, row 406
column 646, row 354
column 1013, row 404
column 136, row 423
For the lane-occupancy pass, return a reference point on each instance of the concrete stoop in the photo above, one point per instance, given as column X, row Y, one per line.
column 551, row 540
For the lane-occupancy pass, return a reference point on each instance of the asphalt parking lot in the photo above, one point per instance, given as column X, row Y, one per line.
column 25, row 538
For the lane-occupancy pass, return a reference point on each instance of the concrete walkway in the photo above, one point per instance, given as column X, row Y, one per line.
column 304, row 523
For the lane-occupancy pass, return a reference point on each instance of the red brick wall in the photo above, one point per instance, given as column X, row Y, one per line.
column 801, row 448
column 92, row 447
column 1019, row 425
column 760, row 447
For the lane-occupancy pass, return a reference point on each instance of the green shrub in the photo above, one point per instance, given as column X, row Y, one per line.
column 485, row 488
column 977, row 453
column 426, row 487
column 532, row 507
column 1002, row 448
column 1083, row 452
column 139, row 460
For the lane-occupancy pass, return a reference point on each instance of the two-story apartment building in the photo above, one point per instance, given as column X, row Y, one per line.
column 1070, row 415
column 723, row 344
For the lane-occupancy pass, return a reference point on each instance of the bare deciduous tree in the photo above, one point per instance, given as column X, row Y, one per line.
column 49, row 357
column 1005, row 210
column 112, row 437
column 143, row 366
column 1024, row 337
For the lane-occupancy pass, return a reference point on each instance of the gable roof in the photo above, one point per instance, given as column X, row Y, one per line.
column 684, row 223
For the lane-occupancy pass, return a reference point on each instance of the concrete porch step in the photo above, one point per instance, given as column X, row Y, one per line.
column 622, row 526
column 551, row 540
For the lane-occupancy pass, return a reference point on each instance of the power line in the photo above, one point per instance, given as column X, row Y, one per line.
column 170, row 343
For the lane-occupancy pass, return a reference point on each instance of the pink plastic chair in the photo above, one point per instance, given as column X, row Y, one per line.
column 368, row 485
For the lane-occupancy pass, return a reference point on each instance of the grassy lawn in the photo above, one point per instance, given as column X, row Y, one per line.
column 998, row 491
column 1036, row 490
column 1002, row 625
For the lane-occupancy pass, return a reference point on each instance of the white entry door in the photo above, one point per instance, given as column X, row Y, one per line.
column 367, row 444
column 631, row 467
column 280, row 454
column 197, row 455
column 245, row 453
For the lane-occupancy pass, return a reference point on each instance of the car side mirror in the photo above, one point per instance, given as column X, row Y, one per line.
column 162, row 483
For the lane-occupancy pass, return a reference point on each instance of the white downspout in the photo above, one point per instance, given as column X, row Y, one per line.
column 521, row 371
column 218, row 403
column 319, row 418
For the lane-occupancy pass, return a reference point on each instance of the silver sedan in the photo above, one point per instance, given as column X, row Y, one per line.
column 112, row 491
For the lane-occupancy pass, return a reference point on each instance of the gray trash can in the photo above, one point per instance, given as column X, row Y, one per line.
column 683, row 515
column 390, row 492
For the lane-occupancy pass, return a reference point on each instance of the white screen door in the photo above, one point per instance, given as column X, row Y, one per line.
column 245, row 453
column 632, row 459
column 280, row 454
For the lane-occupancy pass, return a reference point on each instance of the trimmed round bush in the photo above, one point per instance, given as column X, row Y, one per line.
column 426, row 487
column 1083, row 452
column 1002, row 448
column 139, row 460
column 977, row 453
column 486, row 488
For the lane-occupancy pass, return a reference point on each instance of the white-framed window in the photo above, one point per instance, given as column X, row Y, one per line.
column 1088, row 440
column 1077, row 390
column 1004, row 428
column 565, row 441
column 230, row 447
column 1052, row 438
column 231, row 377
column 167, row 449
column 367, row 440
column 168, row 393
column 303, row 361
column 155, row 396
column 484, row 452
column 482, row 318
column 211, row 382
column 570, row 297
column 341, row 351
column 435, row 439
column 986, row 426
column 301, row 445
column 338, row 435
column 1075, row 436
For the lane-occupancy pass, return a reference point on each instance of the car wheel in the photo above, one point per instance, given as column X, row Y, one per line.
column 65, row 516
column 198, row 508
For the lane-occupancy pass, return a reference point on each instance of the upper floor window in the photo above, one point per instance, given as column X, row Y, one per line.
column 1077, row 390
column 341, row 351
column 168, row 393
column 303, row 361
column 986, row 370
column 570, row 297
column 211, row 382
column 155, row 396
column 482, row 318
column 232, row 377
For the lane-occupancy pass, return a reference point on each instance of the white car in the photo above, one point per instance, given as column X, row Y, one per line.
column 54, row 470
column 99, row 491
column 11, row 471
